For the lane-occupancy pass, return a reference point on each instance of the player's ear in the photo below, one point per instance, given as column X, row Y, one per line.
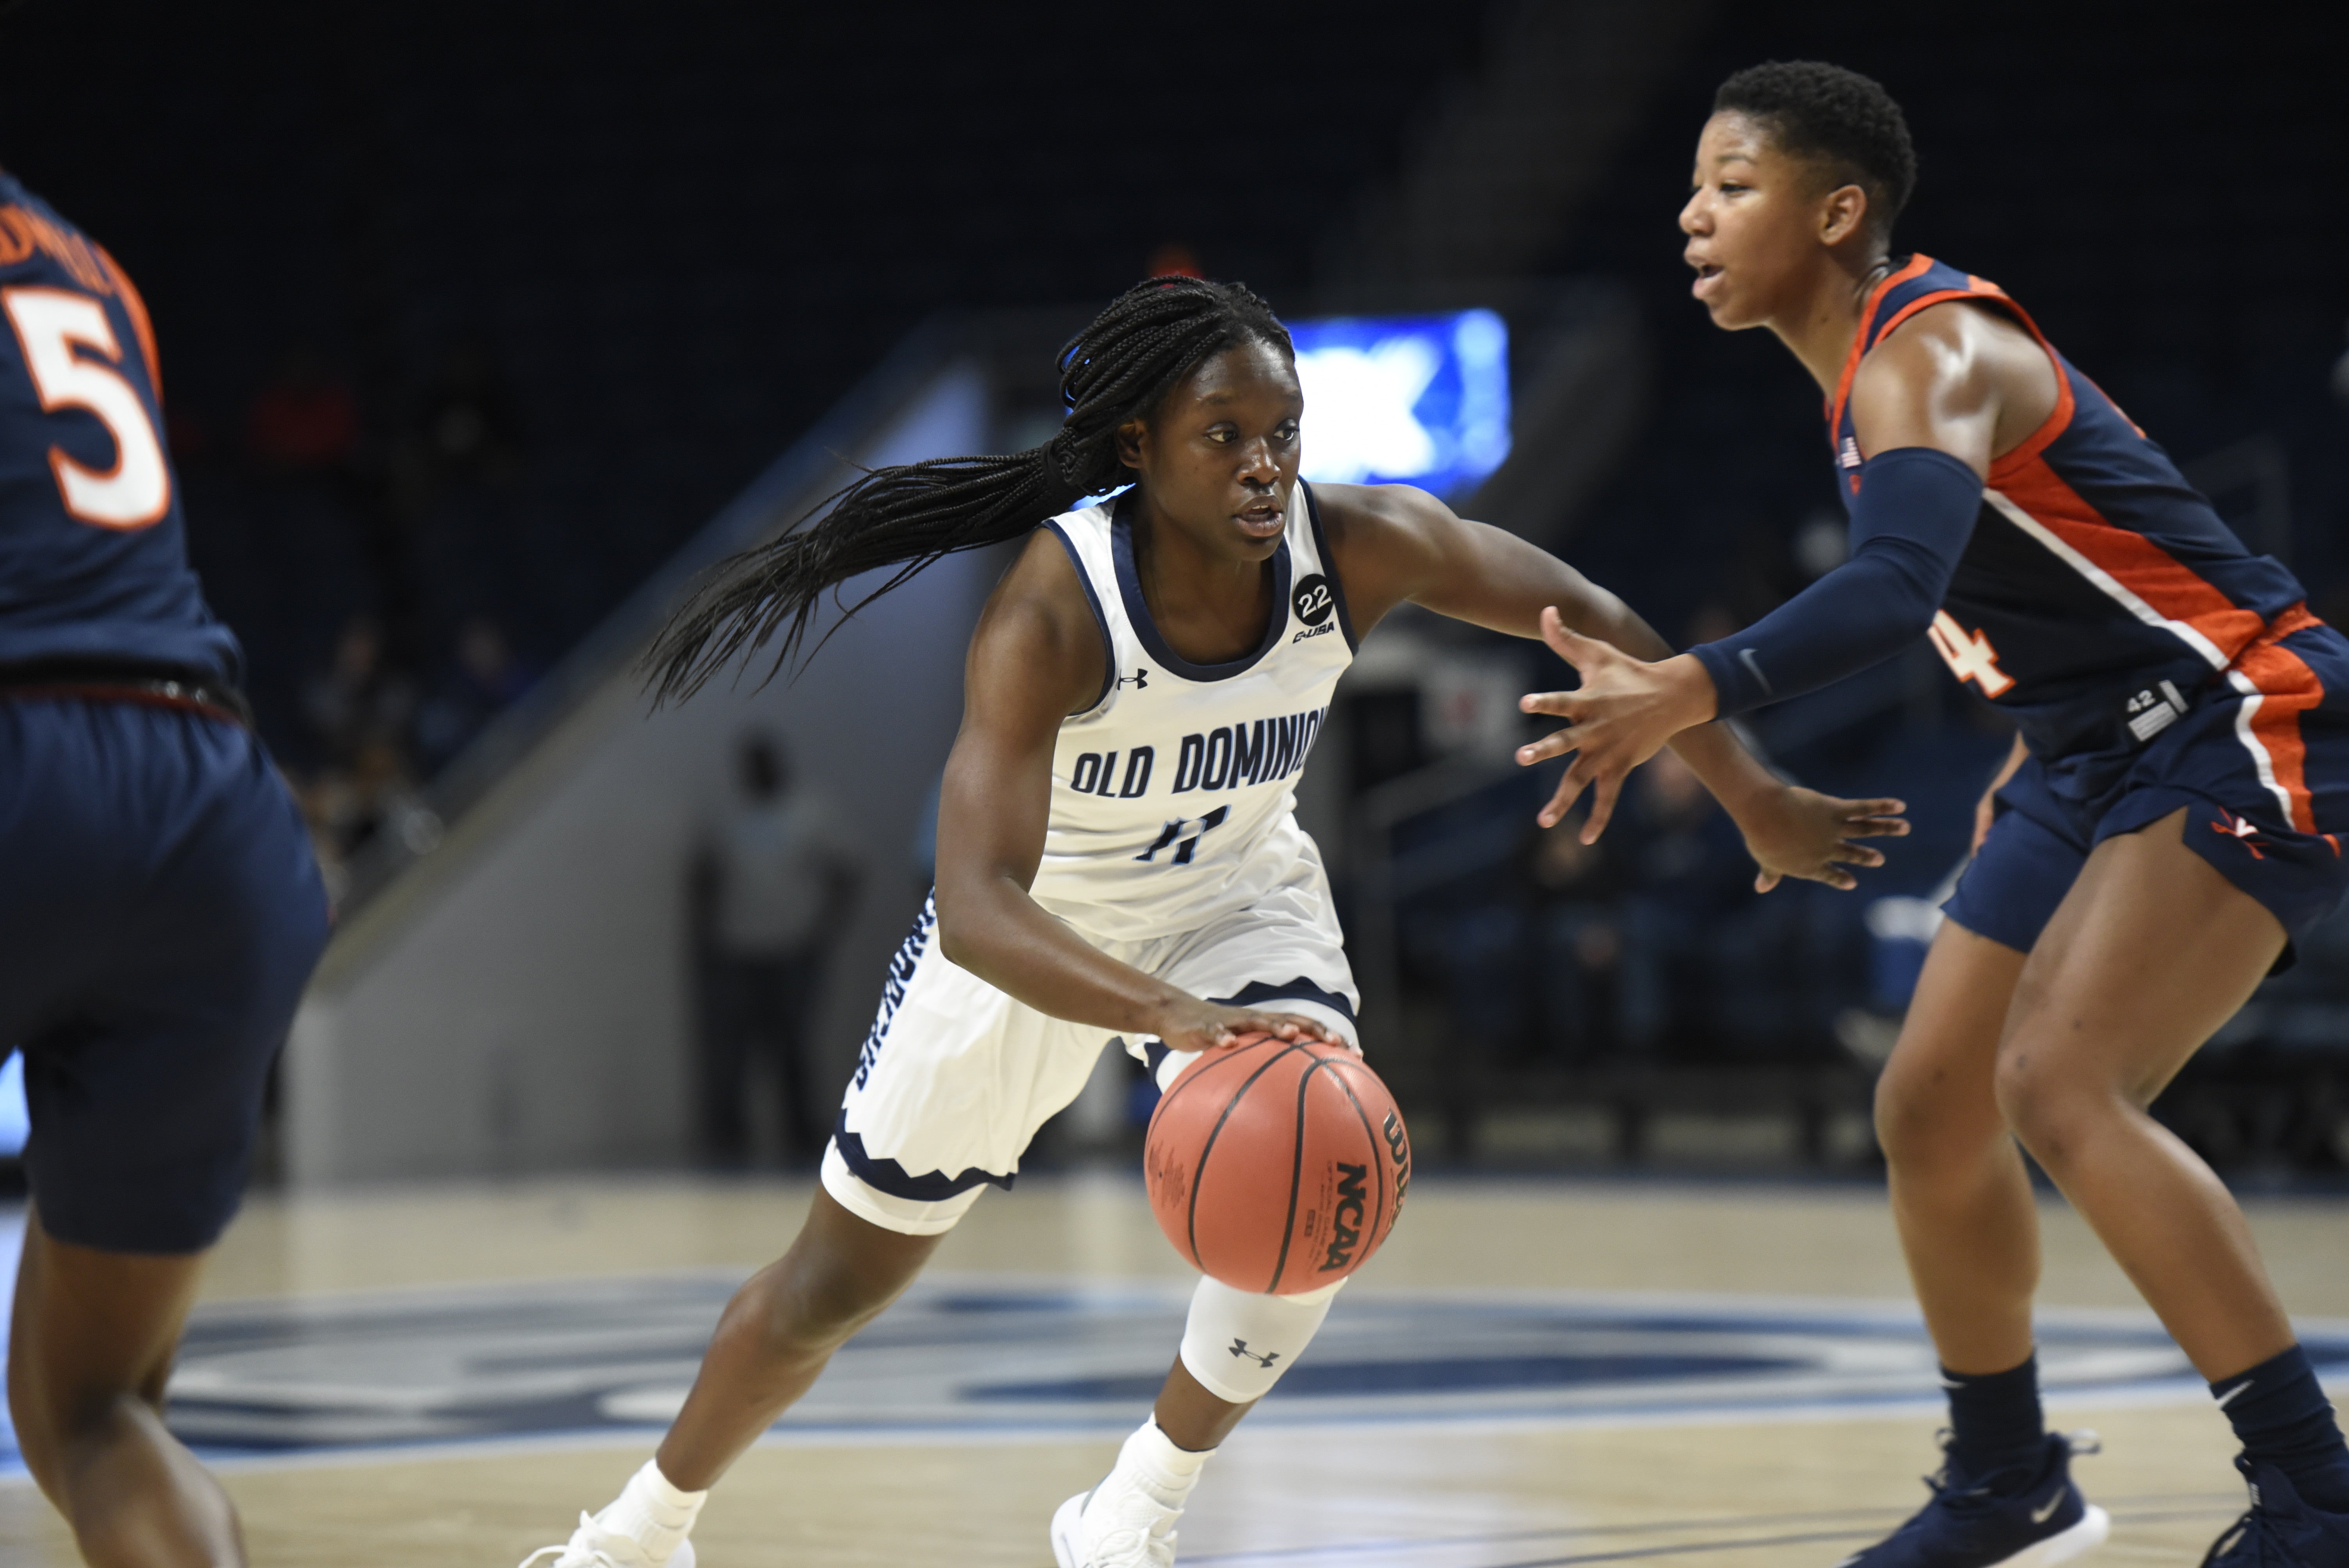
column 1842, row 214
column 1131, row 436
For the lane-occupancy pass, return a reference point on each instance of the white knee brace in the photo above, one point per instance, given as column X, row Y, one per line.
column 1237, row 1342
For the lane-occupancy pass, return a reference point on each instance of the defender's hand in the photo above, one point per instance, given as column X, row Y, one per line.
column 1192, row 1025
column 1622, row 715
column 1799, row 832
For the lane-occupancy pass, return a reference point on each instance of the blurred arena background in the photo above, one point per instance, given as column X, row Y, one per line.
column 486, row 327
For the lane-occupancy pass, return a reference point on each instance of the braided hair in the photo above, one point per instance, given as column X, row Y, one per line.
column 909, row 516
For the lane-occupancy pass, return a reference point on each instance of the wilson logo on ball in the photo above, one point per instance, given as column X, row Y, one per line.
column 1399, row 1146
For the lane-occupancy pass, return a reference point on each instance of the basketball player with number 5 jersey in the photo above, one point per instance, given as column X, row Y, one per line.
column 1118, row 856
column 160, row 908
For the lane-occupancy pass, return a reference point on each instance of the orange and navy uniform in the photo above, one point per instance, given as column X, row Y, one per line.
column 93, row 557
column 161, row 908
column 2149, row 659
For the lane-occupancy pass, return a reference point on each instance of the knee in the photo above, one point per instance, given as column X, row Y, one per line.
column 58, row 1417
column 1904, row 1124
column 1927, row 1124
column 2051, row 1108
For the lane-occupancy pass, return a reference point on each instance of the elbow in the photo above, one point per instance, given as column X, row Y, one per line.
column 952, row 935
column 1906, row 584
column 958, row 928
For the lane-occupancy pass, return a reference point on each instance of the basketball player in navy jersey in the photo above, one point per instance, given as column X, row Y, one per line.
column 1117, row 858
column 160, row 908
column 2169, row 818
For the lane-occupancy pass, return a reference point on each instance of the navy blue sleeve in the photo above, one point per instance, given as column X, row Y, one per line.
column 1914, row 513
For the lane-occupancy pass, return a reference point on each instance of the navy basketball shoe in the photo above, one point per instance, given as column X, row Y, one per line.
column 2001, row 1520
column 2280, row 1531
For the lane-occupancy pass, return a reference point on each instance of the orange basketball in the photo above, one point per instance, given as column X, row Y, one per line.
column 1277, row 1166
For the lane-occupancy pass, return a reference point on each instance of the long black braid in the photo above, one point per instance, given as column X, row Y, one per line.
column 1119, row 367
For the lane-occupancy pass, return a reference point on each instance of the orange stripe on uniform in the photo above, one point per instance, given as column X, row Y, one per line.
column 2287, row 689
column 1863, row 340
column 135, row 309
column 2128, row 557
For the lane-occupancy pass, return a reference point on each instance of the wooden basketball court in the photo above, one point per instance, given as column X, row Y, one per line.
column 1676, row 1459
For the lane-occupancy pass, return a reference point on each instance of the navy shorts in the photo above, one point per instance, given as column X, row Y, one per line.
column 159, row 914
column 2261, row 766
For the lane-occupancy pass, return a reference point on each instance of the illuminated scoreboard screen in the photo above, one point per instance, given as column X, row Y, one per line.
column 1405, row 400
column 14, row 1124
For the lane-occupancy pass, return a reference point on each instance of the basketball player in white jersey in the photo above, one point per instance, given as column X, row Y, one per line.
column 1117, row 856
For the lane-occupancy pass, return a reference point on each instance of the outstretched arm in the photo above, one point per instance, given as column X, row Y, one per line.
column 1394, row 544
column 1035, row 658
column 1935, row 401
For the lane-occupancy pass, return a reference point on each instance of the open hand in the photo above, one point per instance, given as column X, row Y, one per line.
column 1192, row 1025
column 1799, row 832
column 1622, row 715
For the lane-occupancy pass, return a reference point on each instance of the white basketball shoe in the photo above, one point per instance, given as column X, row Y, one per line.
column 593, row 1546
column 1126, row 1522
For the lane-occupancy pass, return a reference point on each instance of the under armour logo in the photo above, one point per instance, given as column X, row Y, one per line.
column 1139, row 680
column 2241, row 830
column 1241, row 1351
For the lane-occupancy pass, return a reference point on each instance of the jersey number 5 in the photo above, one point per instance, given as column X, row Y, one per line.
column 50, row 325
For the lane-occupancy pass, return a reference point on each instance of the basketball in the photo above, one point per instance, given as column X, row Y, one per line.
column 1277, row 1166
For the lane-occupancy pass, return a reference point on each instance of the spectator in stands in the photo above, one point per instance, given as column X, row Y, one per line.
column 358, row 701
column 348, row 806
column 772, row 880
column 472, row 417
column 358, row 713
column 1689, row 915
column 466, row 434
column 1577, row 892
column 483, row 681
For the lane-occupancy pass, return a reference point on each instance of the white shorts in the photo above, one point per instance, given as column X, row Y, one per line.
column 955, row 1077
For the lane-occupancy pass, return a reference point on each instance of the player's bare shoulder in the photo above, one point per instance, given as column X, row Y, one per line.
column 1957, row 361
column 1385, row 541
column 1039, row 630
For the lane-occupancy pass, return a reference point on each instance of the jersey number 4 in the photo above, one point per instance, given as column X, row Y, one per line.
column 1968, row 653
column 51, row 325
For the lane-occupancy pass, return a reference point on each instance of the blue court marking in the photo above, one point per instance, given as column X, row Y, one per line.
column 988, row 1359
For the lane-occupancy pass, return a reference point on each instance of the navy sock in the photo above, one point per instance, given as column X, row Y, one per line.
column 2280, row 1414
column 1994, row 1421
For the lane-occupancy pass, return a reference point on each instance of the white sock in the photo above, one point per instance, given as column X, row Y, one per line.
column 1151, row 1454
column 653, row 1513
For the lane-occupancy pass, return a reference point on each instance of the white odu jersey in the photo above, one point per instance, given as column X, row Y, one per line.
column 1172, row 846
column 1172, row 795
